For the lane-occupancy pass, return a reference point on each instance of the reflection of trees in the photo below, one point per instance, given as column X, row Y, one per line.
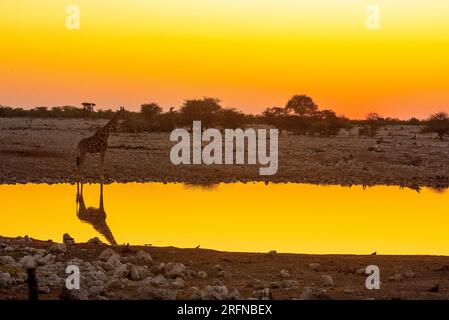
column 203, row 186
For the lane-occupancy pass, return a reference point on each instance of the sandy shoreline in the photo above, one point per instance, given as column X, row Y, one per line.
column 170, row 273
column 47, row 152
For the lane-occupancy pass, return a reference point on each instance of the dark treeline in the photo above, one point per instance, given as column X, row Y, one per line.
column 300, row 115
column 86, row 111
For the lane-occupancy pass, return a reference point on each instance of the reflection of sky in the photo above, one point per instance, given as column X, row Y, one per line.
column 240, row 217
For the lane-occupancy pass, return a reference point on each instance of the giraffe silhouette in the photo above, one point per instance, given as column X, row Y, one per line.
column 94, row 216
column 98, row 143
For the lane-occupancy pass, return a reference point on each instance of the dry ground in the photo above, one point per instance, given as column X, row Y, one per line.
column 47, row 153
column 402, row 277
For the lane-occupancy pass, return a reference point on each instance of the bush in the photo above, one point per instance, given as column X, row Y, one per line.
column 437, row 123
column 134, row 125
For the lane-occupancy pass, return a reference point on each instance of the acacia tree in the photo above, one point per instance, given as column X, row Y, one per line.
column 301, row 105
column 275, row 116
column 205, row 110
column 88, row 108
column 437, row 123
column 150, row 110
column 373, row 120
column 230, row 118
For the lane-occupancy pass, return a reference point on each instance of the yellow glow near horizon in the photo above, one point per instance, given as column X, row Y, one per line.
column 240, row 217
column 252, row 54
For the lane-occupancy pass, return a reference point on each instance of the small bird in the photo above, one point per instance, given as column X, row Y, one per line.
column 374, row 253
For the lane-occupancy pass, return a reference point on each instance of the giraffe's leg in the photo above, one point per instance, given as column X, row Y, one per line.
column 101, row 196
column 79, row 191
column 102, row 154
column 80, row 162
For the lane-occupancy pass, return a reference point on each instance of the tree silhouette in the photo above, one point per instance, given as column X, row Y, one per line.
column 205, row 110
column 88, row 108
column 437, row 123
column 301, row 105
column 232, row 119
column 373, row 120
column 150, row 110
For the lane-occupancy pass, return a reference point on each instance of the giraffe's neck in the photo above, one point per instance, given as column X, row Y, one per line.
column 107, row 129
column 82, row 205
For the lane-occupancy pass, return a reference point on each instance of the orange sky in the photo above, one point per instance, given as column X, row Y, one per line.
column 250, row 53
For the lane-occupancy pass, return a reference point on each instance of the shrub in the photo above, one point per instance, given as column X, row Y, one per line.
column 437, row 123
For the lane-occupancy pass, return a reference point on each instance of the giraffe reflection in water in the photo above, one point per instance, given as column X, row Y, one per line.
column 94, row 216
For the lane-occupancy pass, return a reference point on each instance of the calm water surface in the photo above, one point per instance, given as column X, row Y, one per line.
column 255, row 217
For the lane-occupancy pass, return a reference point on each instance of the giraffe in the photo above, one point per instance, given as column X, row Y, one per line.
column 98, row 143
column 94, row 216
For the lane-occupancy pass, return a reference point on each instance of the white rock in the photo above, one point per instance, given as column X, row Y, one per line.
column 45, row 289
column 179, row 283
column 5, row 280
column 39, row 260
column 96, row 290
column 264, row 294
column 28, row 262
column 151, row 293
column 144, row 271
column 326, row 281
column 174, row 270
column 234, row 295
column 106, row 254
column 158, row 268
column 202, row 274
column 289, row 284
column 258, row 284
column 58, row 248
column 6, row 260
column 144, row 257
column 158, row 280
column 285, row 274
column 191, row 273
column 112, row 263
column 214, row 293
column 193, row 293
column 99, row 275
column 134, row 274
column 121, row 271
column 310, row 293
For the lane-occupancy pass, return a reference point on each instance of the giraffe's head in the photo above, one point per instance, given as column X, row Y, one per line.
column 121, row 112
